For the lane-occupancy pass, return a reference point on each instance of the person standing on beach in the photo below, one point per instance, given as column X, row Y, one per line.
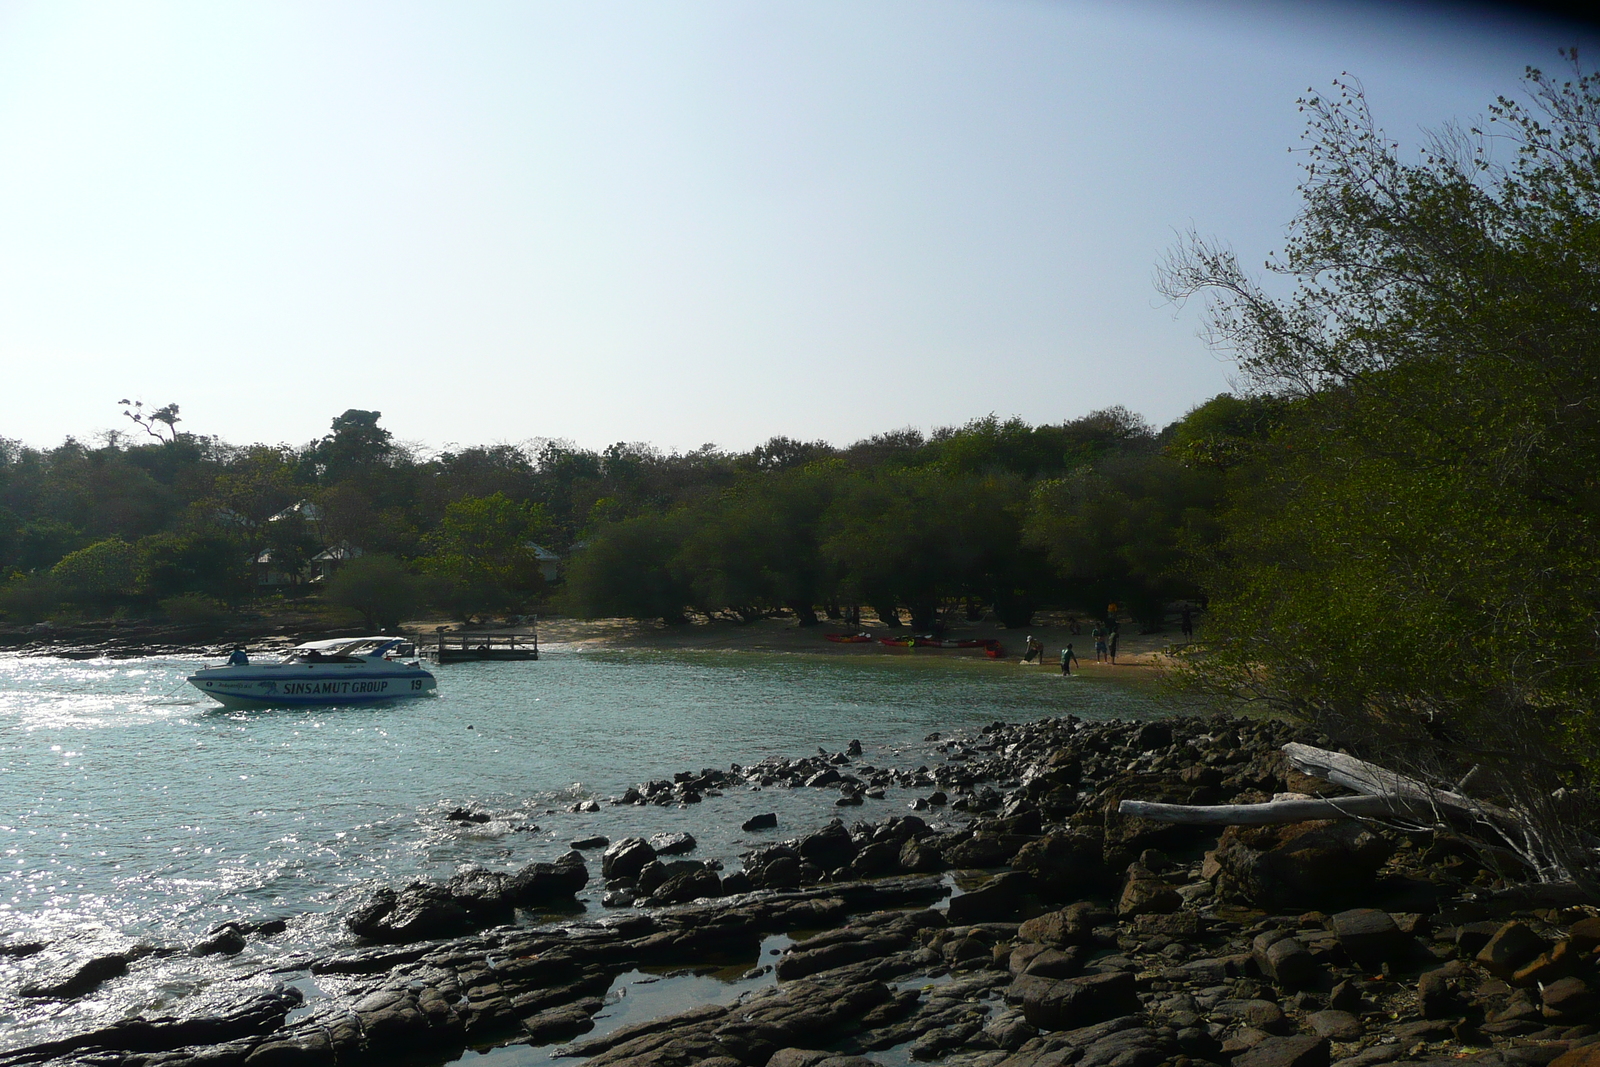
column 1099, row 643
column 1113, row 644
column 1068, row 657
column 1188, row 623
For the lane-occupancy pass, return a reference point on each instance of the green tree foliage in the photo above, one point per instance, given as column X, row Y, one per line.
column 627, row 571
column 757, row 547
column 102, row 572
column 483, row 557
column 1414, row 560
column 1126, row 533
column 378, row 587
column 177, row 563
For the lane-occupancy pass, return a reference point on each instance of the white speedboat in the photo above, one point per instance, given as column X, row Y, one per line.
column 346, row 670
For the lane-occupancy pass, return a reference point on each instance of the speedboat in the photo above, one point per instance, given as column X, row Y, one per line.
column 346, row 670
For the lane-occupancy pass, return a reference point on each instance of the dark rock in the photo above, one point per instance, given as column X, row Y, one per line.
column 1370, row 936
column 1569, row 998
column 561, row 1023
column 876, row 860
column 985, row 850
column 674, row 844
column 1437, row 994
column 1335, row 1025
column 417, row 912
column 1001, row 899
column 1298, row 1051
column 1472, row 936
column 1064, row 865
column 1055, row 963
column 686, row 886
column 227, row 940
column 830, row 847
column 1287, row 961
column 767, row 821
column 596, row 841
column 626, row 858
column 80, row 978
column 1345, row 997
column 1147, row 896
column 543, row 883
column 1076, row 1002
column 1298, row 865
column 1153, row 735
column 1073, row 925
column 920, row 857
column 1512, row 946
column 1255, row 1013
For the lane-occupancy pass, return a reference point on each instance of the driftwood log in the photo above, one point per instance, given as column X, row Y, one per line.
column 1383, row 794
column 1278, row 811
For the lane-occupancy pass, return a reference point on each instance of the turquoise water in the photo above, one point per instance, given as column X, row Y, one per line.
column 133, row 810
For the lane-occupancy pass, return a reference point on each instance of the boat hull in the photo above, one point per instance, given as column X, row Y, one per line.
column 295, row 686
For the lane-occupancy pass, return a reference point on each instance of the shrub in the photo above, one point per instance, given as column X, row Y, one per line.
column 194, row 609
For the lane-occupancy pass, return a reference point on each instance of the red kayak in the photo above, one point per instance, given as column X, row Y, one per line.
column 849, row 639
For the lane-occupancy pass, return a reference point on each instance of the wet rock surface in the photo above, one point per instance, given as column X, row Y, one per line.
column 1071, row 936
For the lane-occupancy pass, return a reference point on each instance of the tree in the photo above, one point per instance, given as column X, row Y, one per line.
column 377, row 586
column 1411, row 559
column 162, row 423
column 757, row 547
column 356, row 445
column 101, row 572
column 483, row 555
column 626, row 570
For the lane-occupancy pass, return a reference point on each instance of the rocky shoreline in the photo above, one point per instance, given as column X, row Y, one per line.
column 1014, row 919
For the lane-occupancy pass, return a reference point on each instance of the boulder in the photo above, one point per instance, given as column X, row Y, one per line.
column 593, row 841
column 1512, row 946
column 1298, row 1051
column 673, row 844
column 625, row 858
column 1074, row 1002
column 1147, row 896
column 1569, row 998
column 765, row 821
column 985, row 850
column 1287, row 961
column 1073, row 925
column 1297, row 866
column 543, row 883
column 1001, row 899
column 1063, row 865
column 226, row 940
column 1335, row 1025
column 921, row 857
column 416, row 912
column 830, row 847
column 1370, row 936
column 686, row 886
column 876, row 860
column 79, row 978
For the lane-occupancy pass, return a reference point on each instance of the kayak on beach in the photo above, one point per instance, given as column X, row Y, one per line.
column 992, row 648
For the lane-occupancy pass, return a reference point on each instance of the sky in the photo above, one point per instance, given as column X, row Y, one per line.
column 674, row 223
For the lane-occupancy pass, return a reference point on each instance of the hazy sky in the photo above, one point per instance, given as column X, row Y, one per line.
column 649, row 221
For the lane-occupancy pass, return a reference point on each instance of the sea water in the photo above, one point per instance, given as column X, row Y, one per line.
column 133, row 811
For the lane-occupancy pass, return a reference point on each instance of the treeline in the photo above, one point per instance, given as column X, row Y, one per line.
column 995, row 516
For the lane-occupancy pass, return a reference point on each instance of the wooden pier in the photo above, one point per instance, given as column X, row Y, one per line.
column 463, row 646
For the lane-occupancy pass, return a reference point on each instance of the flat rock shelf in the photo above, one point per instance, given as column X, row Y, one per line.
column 1013, row 918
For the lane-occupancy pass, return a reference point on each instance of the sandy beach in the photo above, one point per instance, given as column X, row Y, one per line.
column 1143, row 654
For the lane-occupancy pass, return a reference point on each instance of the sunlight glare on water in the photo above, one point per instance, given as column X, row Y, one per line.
column 133, row 808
